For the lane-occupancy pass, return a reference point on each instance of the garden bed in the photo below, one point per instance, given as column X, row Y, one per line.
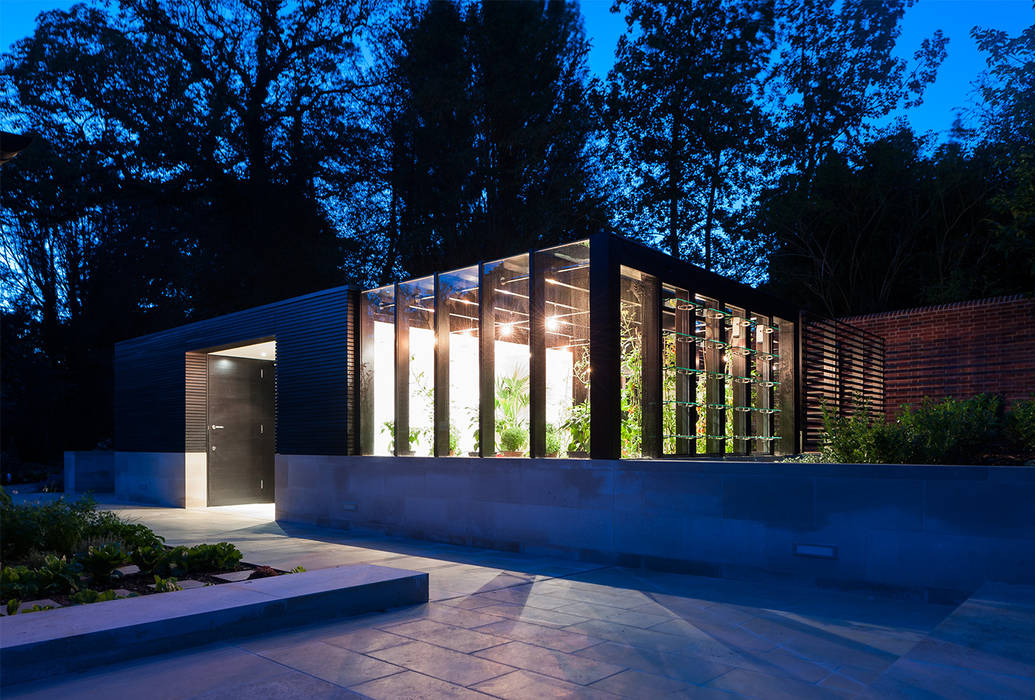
column 68, row 553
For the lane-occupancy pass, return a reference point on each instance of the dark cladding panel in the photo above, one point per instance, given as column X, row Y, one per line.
column 153, row 373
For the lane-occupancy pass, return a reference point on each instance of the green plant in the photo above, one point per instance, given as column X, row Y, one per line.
column 18, row 582
column 222, row 556
column 88, row 595
column 937, row 432
column 37, row 608
column 148, row 559
column 950, row 431
column 454, row 439
column 58, row 575
column 414, row 438
column 298, row 570
column 577, row 427
column 100, row 563
column 512, row 400
column 1020, row 424
column 12, row 606
column 553, row 440
column 166, row 585
column 175, row 561
column 631, row 377
column 513, row 439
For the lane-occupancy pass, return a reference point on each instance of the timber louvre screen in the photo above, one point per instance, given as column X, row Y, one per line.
column 842, row 368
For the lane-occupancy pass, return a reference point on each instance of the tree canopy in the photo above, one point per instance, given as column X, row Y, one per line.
column 196, row 157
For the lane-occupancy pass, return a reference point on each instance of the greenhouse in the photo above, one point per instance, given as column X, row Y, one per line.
column 599, row 348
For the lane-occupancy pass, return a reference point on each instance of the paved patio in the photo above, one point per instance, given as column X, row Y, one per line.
column 516, row 626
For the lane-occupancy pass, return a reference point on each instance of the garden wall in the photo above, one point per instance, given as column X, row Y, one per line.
column 956, row 350
column 941, row 529
column 92, row 471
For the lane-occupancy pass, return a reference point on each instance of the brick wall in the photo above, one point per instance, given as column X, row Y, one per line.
column 957, row 350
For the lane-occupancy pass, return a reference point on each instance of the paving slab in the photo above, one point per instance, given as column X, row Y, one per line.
column 550, row 662
column 520, row 685
column 444, row 664
column 663, row 634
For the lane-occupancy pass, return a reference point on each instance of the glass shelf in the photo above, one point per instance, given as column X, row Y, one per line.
column 690, row 370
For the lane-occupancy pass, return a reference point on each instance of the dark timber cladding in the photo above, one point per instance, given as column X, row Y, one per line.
column 160, row 378
column 842, row 369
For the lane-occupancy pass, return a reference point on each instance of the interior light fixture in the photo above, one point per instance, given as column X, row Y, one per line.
column 506, row 329
column 551, row 323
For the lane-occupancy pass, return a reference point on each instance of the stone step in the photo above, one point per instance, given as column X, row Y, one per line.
column 83, row 637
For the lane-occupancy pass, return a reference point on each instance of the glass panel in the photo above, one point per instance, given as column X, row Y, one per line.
column 679, row 379
column 711, row 327
column 417, row 319
column 565, row 271
column 738, row 330
column 636, row 300
column 377, row 371
column 783, row 362
column 762, row 384
column 505, row 286
column 459, row 300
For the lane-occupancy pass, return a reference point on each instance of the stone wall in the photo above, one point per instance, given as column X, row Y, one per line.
column 956, row 350
column 159, row 478
column 937, row 529
column 92, row 471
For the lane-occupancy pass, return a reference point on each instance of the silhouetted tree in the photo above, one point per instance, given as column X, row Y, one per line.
column 684, row 119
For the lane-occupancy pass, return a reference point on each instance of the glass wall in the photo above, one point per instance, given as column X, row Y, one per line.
column 562, row 275
column 458, row 326
column 377, row 371
column 495, row 360
column 506, row 306
column 415, row 377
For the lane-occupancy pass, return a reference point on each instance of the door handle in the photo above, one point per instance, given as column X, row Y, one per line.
column 217, row 427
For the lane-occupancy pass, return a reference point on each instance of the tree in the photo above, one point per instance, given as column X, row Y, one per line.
column 837, row 74
column 683, row 116
column 892, row 227
column 1007, row 131
column 485, row 134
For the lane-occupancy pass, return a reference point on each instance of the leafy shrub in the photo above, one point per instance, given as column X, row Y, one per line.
column 148, row 558
column 57, row 575
column 88, row 595
column 553, row 439
column 100, row 562
column 859, row 438
column 938, row 432
column 18, row 582
column 166, row 585
column 298, row 570
column 1020, row 424
column 174, row 562
column 64, row 527
column 12, row 606
column 950, row 431
column 213, row 557
column 513, row 439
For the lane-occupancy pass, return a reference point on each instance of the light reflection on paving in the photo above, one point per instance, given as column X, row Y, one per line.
column 506, row 625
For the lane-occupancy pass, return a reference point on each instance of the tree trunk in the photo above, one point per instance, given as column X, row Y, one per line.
column 673, row 185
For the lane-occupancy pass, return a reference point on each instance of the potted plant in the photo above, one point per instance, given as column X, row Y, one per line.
column 553, row 440
column 454, row 440
column 513, row 441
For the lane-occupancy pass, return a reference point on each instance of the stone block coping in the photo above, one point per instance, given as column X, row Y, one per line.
column 80, row 637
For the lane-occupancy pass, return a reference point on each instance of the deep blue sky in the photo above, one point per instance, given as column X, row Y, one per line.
column 955, row 17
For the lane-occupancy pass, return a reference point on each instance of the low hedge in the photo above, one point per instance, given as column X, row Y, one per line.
column 968, row 431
